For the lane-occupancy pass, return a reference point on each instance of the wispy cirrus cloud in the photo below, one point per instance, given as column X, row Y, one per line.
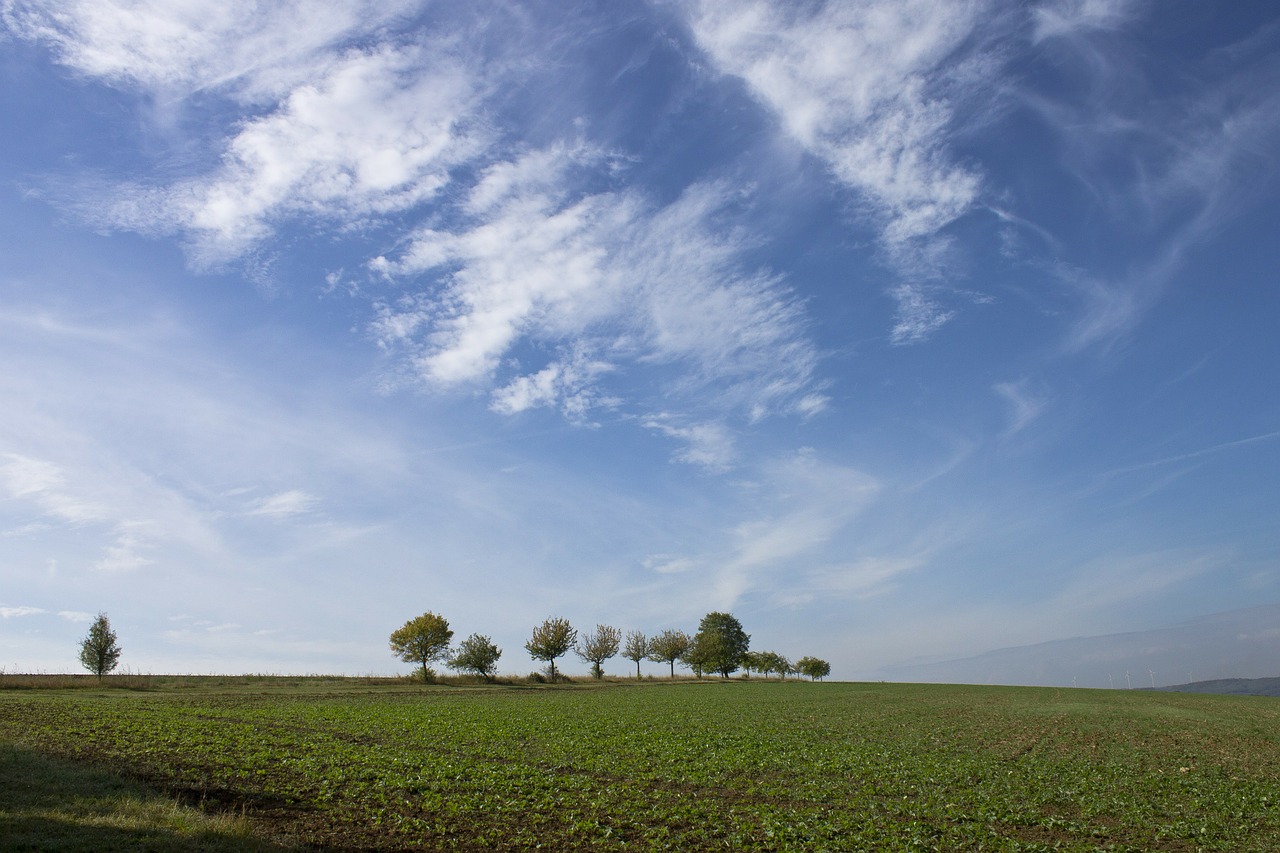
column 173, row 49
column 19, row 612
column 795, row 508
column 376, row 134
column 1025, row 403
column 45, row 484
column 871, row 90
column 285, row 504
column 601, row 279
column 534, row 274
column 1072, row 17
column 1164, row 170
column 707, row 445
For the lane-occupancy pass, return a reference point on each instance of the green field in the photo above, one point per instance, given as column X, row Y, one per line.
column 742, row 765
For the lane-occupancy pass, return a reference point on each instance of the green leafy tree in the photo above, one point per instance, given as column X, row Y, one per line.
column 815, row 668
column 476, row 654
column 669, row 647
column 770, row 662
column 721, row 643
column 598, row 646
column 753, row 662
column 636, row 649
column 100, row 649
column 552, row 639
column 695, row 655
column 422, row 640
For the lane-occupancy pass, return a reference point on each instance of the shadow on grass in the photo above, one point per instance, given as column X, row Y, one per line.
column 49, row 804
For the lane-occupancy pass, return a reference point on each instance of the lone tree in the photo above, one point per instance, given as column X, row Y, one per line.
column 422, row 640
column 815, row 668
column 669, row 647
column 476, row 654
column 550, row 640
column 100, row 650
column 636, row 649
column 721, row 643
column 598, row 646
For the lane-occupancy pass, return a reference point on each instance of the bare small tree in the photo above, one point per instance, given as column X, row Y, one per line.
column 552, row 639
column 100, row 650
column 636, row 649
column 598, row 646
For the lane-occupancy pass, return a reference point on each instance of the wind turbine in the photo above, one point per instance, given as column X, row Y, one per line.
column 1127, row 682
column 1153, row 679
column 1112, row 679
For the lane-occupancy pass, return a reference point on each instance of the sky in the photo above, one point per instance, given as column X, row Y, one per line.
column 901, row 329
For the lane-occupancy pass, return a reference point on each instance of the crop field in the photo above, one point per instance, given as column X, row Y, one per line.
column 739, row 765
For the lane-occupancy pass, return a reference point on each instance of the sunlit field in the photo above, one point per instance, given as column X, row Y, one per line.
column 739, row 765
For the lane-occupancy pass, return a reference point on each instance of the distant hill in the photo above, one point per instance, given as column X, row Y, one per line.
column 1235, row 646
column 1230, row 687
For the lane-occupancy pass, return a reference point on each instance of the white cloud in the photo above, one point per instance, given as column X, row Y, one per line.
column 44, row 484
column 607, row 279
column 1072, row 17
column 864, row 578
column 667, row 564
column 809, row 502
column 18, row 612
column 352, row 127
column 285, row 504
column 77, row 616
column 868, row 88
column 568, row 383
column 375, row 133
column 851, row 82
column 176, row 47
column 706, row 445
column 1193, row 161
column 918, row 315
column 533, row 265
column 127, row 553
column 1024, row 404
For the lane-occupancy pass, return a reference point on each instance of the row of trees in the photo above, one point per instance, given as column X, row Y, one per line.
column 719, row 646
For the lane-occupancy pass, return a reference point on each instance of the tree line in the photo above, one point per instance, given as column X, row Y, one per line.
column 720, row 645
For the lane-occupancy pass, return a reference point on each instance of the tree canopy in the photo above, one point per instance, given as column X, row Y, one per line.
column 636, row 649
column 476, row 654
column 815, row 668
column 720, row 643
column 598, row 646
column 422, row 640
column 669, row 647
column 550, row 640
column 100, row 649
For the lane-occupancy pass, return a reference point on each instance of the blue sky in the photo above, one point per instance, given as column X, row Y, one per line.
column 901, row 330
